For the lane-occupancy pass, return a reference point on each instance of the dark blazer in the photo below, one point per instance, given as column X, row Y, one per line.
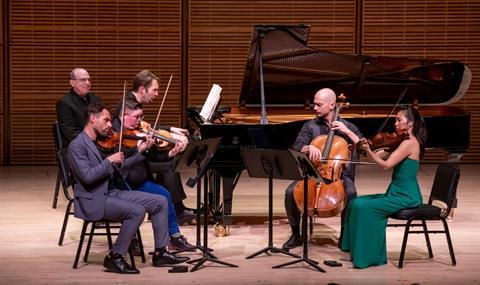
column 92, row 174
column 71, row 114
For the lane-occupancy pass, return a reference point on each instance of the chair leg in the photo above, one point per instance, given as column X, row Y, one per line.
column 449, row 241
column 65, row 222
column 404, row 244
column 80, row 244
column 55, row 194
column 140, row 244
column 427, row 239
column 310, row 219
column 89, row 244
column 109, row 235
column 132, row 257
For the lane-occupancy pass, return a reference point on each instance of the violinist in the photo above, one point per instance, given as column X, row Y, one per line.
column 324, row 105
column 98, row 195
column 139, row 177
column 368, row 247
column 145, row 88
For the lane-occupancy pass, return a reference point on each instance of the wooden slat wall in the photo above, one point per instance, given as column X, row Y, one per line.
column 220, row 34
column 116, row 39
column 113, row 40
column 2, row 86
column 432, row 29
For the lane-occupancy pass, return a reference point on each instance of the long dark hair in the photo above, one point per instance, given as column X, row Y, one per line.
column 419, row 129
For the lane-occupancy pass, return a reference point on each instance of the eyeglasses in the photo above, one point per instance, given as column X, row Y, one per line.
column 83, row 79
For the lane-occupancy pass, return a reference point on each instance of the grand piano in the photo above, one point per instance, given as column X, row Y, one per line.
column 293, row 72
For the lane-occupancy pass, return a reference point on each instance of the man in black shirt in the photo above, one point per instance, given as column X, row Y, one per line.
column 324, row 106
column 71, row 107
column 144, row 90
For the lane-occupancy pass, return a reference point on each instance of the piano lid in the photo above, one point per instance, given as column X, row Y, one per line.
column 294, row 72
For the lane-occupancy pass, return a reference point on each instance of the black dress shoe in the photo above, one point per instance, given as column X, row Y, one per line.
column 180, row 244
column 194, row 211
column 185, row 217
column 167, row 259
column 292, row 242
column 118, row 265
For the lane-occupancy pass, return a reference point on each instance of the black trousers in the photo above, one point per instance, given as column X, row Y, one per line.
column 165, row 175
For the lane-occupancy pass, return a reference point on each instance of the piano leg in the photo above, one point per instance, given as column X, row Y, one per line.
column 222, row 211
column 228, row 186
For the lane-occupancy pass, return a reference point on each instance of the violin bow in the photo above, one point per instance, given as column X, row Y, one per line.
column 163, row 101
column 122, row 114
column 393, row 109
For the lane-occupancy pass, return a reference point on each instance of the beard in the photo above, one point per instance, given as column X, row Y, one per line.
column 103, row 133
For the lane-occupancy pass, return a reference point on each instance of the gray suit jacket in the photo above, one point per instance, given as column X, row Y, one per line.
column 92, row 174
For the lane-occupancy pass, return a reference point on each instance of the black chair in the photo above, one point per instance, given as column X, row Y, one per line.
column 67, row 181
column 57, row 138
column 444, row 189
column 65, row 178
column 104, row 224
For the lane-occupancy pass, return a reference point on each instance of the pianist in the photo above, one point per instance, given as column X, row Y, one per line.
column 324, row 106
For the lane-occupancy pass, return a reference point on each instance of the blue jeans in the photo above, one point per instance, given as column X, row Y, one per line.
column 151, row 187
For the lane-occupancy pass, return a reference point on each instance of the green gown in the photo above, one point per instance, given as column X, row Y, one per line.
column 367, row 216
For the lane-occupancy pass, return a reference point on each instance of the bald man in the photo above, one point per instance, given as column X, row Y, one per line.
column 324, row 107
column 71, row 107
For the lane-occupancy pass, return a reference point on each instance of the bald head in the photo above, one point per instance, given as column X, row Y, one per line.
column 324, row 103
column 80, row 81
column 326, row 95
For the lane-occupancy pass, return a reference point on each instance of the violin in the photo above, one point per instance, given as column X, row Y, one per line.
column 163, row 139
column 112, row 140
column 387, row 141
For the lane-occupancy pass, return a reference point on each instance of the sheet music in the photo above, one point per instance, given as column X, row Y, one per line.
column 211, row 103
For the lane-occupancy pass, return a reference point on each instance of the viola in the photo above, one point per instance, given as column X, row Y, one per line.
column 163, row 139
column 387, row 141
column 112, row 140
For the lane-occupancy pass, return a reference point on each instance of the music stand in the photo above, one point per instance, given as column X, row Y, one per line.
column 270, row 163
column 308, row 171
column 195, row 154
column 201, row 152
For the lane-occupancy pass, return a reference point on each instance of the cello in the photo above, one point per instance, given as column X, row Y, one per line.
column 327, row 199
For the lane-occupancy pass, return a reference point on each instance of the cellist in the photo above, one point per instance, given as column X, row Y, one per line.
column 324, row 105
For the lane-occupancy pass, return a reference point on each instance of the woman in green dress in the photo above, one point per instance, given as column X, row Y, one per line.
column 367, row 215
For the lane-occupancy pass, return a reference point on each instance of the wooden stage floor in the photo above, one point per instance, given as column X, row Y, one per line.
column 30, row 229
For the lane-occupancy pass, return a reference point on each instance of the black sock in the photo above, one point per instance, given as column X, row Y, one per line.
column 296, row 230
column 161, row 250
